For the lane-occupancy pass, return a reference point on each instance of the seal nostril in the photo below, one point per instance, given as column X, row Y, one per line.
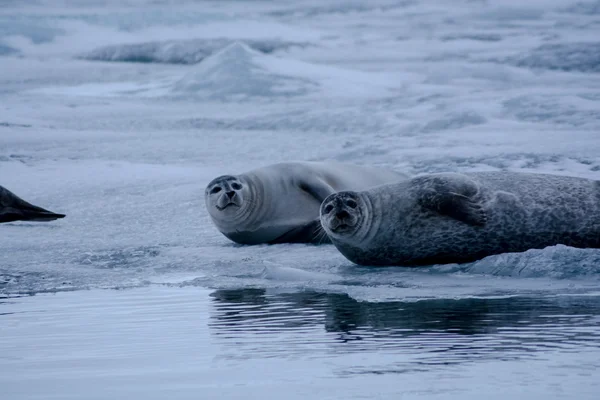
column 342, row 214
column 230, row 194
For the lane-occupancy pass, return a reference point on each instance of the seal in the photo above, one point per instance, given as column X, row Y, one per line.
column 280, row 203
column 451, row 217
column 13, row 208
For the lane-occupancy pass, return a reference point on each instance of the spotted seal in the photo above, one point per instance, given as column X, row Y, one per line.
column 13, row 208
column 451, row 217
column 280, row 203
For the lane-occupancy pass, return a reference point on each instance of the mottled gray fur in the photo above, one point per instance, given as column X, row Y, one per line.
column 450, row 217
column 13, row 208
column 280, row 203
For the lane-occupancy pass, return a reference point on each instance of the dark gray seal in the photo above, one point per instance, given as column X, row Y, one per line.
column 451, row 217
column 280, row 203
column 13, row 208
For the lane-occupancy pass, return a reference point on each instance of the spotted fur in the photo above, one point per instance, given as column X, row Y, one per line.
column 447, row 218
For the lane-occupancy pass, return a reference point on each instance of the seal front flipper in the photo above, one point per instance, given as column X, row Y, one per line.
column 311, row 232
column 453, row 195
column 316, row 188
column 13, row 208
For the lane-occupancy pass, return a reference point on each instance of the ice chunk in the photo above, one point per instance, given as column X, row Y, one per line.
column 239, row 70
column 582, row 57
column 176, row 51
column 35, row 29
column 561, row 262
column 584, row 8
column 277, row 272
column 6, row 50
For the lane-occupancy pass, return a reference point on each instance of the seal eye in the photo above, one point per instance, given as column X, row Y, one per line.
column 216, row 189
column 236, row 186
column 351, row 203
column 328, row 209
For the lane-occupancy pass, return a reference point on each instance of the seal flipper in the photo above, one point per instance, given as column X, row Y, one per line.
column 13, row 208
column 452, row 195
column 309, row 233
column 317, row 189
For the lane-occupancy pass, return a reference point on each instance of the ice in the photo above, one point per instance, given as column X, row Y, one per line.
column 239, row 70
column 6, row 50
column 584, row 57
column 560, row 262
column 276, row 272
column 29, row 27
column 125, row 149
column 584, row 8
column 177, row 52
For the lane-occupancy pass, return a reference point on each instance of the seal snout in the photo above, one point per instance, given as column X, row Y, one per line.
column 225, row 192
column 228, row 199
column 340, row 212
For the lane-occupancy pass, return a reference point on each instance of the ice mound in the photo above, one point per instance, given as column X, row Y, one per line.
column 584, row 8
column 559, row 262
column 33, row 28
column 239, row 70
column 580, row 57
column 557, row 110
column 454, row 121
column 176, row 51
column 6, row 50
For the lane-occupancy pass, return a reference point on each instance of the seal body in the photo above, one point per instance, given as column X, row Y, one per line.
column 280, row 203
column 450, row 217
column 13, row 208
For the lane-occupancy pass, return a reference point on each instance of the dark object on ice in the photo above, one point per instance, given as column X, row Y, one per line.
column 13, row 208
column 461, row 217
column 279, row 203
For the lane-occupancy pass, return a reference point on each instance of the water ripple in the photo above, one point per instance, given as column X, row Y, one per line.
column 433, row 332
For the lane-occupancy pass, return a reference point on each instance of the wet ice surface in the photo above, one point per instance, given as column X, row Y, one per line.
column 126, row 148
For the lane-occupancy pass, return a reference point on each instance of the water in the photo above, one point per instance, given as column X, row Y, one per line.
column 162, row 342
column 118, row 115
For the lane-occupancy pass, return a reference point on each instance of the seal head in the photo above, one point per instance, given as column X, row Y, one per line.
column 225, row 193
column 229, row 202
column 342, row 214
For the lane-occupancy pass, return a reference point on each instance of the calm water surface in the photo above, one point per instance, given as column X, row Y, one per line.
column 160, row 342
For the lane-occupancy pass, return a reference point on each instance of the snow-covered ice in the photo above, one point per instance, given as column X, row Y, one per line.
column 118, row 114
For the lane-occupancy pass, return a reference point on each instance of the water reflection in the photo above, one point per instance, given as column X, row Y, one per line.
column 434, row 332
